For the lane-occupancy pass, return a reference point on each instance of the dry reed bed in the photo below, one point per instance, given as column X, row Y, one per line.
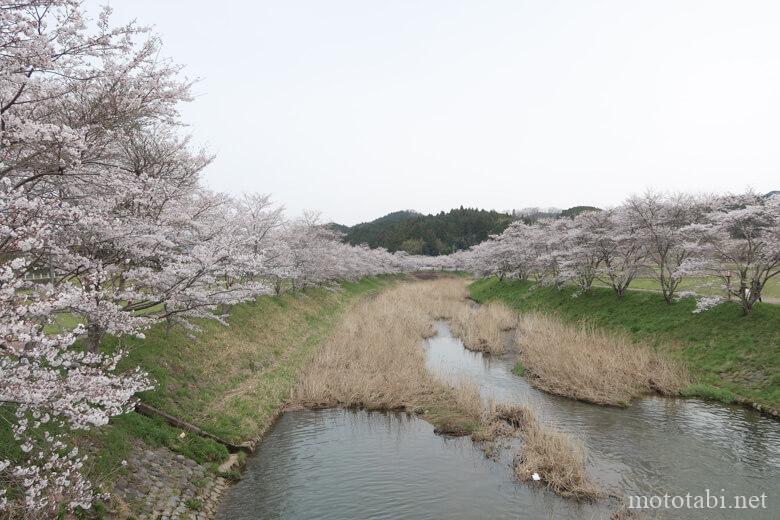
column 374, row 360
column 585, row 363
column 556, row 457
column 481, row 328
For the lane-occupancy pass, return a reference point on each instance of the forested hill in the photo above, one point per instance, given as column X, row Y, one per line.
column 437, row 234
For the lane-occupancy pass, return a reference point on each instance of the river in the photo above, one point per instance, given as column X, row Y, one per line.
column 338, row 464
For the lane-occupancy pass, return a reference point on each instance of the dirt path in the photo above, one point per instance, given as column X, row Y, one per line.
column 764, row 299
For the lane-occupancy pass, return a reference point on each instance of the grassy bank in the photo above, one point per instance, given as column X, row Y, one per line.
column 705, row 285
column 229, row 381
column 731, row 357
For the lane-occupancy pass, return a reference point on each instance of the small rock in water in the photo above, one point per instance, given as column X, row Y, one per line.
column 536, row 476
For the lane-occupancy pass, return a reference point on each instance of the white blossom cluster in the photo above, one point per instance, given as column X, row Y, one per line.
column 103, row 219
column 735, row 238
column 707, row 302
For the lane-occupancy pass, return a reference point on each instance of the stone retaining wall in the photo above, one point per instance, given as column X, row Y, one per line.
column 162, row 485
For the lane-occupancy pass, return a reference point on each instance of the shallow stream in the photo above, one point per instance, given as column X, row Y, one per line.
column 339, row 464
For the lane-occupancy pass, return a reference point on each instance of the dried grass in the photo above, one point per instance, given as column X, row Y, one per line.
column 593, row 365
column 502, row 420
column 557, row 458
column 374, row 360
column 481, row 328
column 623, row 513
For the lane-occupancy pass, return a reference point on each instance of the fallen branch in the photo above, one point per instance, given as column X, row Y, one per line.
column 150, row 411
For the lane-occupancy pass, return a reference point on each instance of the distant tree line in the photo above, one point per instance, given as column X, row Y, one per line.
column 431, row 235
column 443, row 233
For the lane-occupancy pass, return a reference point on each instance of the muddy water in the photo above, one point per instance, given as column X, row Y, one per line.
column 341, row 464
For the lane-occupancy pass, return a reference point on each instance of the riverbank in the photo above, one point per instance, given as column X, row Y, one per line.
column 732, row 359
column 228, row 381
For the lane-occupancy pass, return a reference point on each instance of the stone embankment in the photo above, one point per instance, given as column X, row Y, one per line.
column 162, row 485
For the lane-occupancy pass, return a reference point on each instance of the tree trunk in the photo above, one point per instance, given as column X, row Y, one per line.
column 749, row 299
column 94, row 336
column 747, row 306
column 51, row 269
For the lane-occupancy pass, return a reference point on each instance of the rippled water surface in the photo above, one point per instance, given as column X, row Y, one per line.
column 337, row 464
column 342, row 464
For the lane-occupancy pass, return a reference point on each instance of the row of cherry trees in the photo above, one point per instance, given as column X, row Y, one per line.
column 103, row 218
column 733, row 238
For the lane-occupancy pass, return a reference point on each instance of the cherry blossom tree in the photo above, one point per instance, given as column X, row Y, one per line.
column 546, row 244
column 615, row 242
column 735, row 238
column 42, row 379
column 517, row 251
column 739, row 238
column 579, row 260
column 491, row 257
column 90, row 162
column 659, row 221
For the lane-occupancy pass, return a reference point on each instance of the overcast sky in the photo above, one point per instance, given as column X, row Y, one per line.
column 359, row 108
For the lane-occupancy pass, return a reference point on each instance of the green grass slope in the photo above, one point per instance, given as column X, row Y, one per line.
column 732, row 357
column 229, row 381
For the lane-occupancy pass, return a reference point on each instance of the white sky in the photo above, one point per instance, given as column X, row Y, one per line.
column 359, row 108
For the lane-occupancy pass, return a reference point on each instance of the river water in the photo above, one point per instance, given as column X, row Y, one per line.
column 338, row 464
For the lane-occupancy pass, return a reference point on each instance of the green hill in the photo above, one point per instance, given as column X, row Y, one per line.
column 437, row 234
column 576, row 210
